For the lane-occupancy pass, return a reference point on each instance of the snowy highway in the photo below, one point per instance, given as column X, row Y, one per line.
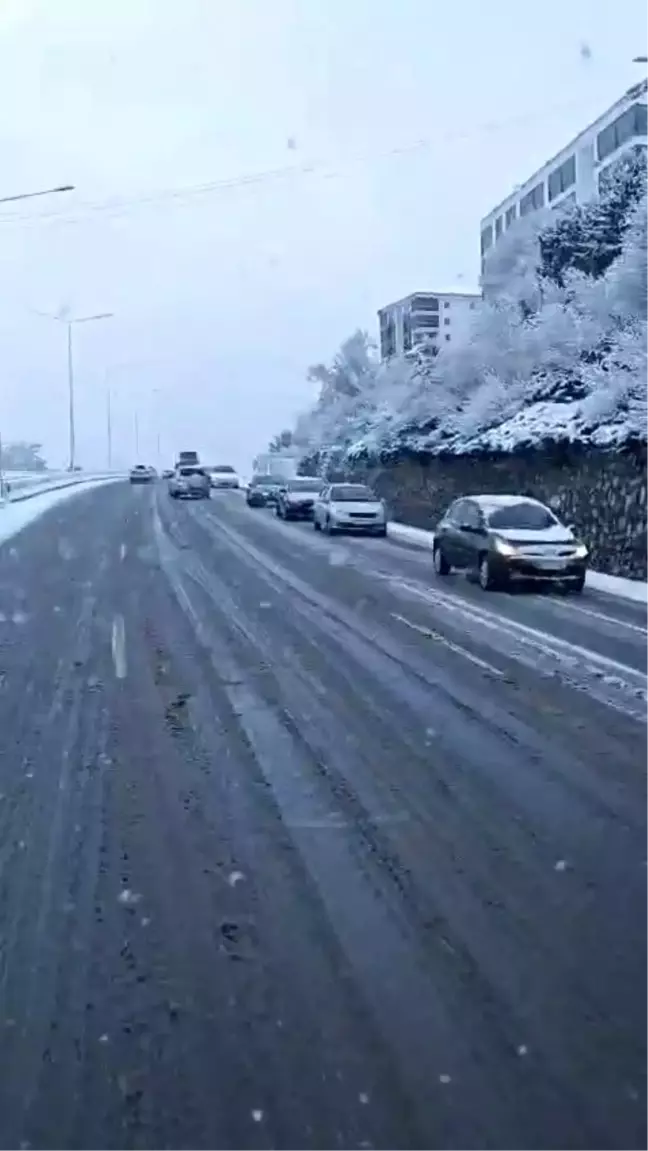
column 303, row 847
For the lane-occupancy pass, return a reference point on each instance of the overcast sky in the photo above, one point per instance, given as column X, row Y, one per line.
column 375, row 134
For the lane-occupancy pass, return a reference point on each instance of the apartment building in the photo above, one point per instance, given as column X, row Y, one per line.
column 580, row 170
column 440, row 317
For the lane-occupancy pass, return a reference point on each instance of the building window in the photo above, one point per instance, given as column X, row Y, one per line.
column 511, row 214
column 533, row 200
column 387, row 335
column 424, row 304
column 426, row 321
column 407, row 333
column 447, row 338
column 499, row 226
column 562, row 179
column 447, row 321
column 486, row 238
column 630, row 123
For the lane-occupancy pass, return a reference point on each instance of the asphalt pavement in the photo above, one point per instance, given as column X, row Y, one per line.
column 304, row 847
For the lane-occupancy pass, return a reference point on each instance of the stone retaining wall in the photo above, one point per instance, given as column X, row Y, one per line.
column 602, row 493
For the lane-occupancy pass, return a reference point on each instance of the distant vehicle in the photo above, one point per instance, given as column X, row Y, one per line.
column 167, row 473
column 263, row 490
column 223, row 476
column 276, row 464
column 142, row 474
column 189, row 483
column 505, row 538
column 296, row 498
column 187, row 459
column 349, row 508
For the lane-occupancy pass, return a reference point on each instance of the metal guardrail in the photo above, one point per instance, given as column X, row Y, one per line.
column 27, row 487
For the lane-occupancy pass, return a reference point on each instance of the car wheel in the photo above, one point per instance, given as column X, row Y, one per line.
column 577, row 585
column 382, row 532
column 317, row 527
column 487, row 581
column 441, row 565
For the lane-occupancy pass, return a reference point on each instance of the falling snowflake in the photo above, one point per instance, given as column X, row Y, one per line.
column 257, row 1116
column 128, row 897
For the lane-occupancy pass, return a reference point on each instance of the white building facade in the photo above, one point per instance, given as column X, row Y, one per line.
column 579, row 172
column 439, row 317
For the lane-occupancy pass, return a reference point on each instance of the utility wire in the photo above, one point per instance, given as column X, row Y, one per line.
column 116, row 207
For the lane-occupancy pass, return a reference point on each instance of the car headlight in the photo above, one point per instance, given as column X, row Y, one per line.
column 503, row 547
column 581, row 552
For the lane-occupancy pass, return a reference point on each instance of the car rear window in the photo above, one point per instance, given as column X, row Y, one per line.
column 305, row 485
column 192, row 471
column 525, row 516
column 352, row 492
column 223, row 468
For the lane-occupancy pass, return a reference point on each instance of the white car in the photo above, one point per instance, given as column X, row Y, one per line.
column 349, row 508
column 189, row 483
column 223, row 476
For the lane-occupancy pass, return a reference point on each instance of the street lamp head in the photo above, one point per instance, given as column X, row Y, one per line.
column 87, row 319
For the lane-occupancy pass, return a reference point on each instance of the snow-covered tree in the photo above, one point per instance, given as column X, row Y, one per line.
column 511, row 266
column 590, row 237
column 628, row 277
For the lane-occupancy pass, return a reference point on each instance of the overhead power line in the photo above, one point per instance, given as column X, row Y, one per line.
column 117, row 206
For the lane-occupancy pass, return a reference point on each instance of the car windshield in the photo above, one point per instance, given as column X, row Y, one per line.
column 525, row 516
column 304, row 485
column 352, row 493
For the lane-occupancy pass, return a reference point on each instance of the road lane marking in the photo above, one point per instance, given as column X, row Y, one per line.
column 429, row 633
column 642, row 631
column 118, row 645
column 585, row 669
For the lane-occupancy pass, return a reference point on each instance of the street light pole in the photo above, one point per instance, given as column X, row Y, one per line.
column 109, row 426
column 71, row 409
column 71, row 423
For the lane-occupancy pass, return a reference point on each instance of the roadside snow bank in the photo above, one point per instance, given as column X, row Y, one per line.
column 22, row 511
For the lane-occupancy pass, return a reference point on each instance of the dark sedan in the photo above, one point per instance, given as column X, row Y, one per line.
column 503, row 539
column 263, row 490
column 296, row 498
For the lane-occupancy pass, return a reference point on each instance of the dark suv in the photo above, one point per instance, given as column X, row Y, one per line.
column 507, row 538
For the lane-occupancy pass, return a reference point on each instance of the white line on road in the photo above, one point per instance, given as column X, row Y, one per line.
column 429, row 633
column 608, row 619
column 118, row 644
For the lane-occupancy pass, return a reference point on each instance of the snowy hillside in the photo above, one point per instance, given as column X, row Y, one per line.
column 558, row 349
